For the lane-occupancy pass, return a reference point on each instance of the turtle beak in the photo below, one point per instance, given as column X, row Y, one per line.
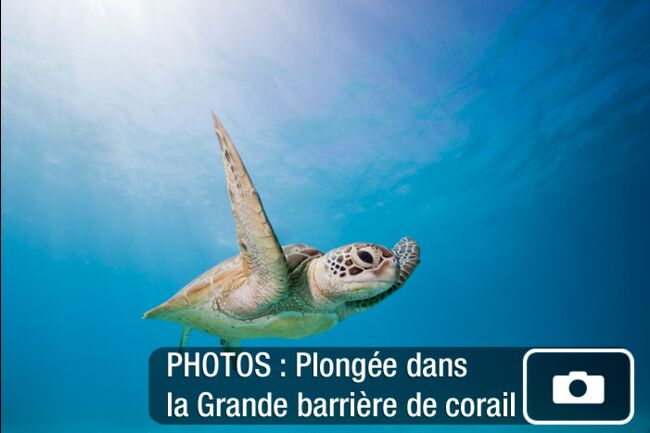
column 388, row 270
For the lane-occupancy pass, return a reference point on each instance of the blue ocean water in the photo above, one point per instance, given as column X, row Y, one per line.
column 510, row 138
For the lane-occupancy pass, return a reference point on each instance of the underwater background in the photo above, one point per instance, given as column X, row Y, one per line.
column 511, row 139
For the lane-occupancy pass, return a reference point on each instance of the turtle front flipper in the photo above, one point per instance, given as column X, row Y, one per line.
column 407, row 252
column 263, row 259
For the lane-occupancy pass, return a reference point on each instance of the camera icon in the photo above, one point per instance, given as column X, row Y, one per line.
column 578, row 387
column 553, row 397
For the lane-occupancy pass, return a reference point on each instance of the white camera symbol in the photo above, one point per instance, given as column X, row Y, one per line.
column 578, row 387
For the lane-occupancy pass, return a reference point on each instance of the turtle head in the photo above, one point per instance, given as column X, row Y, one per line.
column 355, row 271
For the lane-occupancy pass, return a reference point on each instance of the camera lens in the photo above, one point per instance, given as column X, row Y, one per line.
column 577, row 388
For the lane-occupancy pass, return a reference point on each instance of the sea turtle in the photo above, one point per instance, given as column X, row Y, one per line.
column 272, row 291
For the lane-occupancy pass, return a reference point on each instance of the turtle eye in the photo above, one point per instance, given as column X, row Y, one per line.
column 365, row 256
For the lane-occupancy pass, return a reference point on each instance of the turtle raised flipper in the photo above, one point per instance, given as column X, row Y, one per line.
column 262, row 256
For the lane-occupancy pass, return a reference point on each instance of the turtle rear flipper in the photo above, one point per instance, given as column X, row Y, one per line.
column 185, row 335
